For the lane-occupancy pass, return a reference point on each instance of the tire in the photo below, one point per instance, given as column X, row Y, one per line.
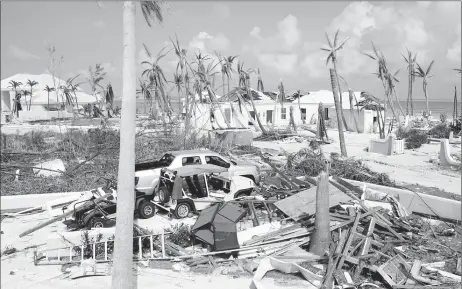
column 147, row 210
column 164, row 195
column 96, row 222
column 182, row 210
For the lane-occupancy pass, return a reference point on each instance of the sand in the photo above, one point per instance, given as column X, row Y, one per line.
column 412, row 167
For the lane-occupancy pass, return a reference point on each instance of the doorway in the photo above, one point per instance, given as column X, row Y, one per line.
column 269, row 116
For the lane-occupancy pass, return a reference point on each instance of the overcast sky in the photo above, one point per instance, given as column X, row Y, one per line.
column 281, row 38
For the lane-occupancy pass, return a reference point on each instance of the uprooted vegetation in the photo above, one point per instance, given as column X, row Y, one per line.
column 413, row 138
column 86, row 156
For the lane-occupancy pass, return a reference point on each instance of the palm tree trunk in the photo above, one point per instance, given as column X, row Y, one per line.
column 292, row 120
column 334, row 61
column 48, row 93
column 122, row 276
column 454, row 113
column 380, row 122
column 334, row 83
column 214, row 100
column 249, row 93
column 251, row 119
column 320, row 239
column 426, row 98
column 409, row 89
column 410, row 95
column 350, row 94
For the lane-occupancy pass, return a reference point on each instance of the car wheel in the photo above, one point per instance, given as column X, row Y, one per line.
column 97, row 222
column 182, row 210
column 243, row 194
column 147, row 210
column 164, row 195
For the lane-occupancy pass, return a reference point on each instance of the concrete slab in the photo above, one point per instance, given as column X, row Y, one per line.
column 420, row 203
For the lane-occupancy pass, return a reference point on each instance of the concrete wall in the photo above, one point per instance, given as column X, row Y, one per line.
column 39, row 113
column 365, row 118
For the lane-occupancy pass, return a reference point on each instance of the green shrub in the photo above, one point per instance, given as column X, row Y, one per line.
column 402, row 132
column 415, row 139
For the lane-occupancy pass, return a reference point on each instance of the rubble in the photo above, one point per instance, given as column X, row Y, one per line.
column 376, row 239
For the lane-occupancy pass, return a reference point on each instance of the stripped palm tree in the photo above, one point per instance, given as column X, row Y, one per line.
column 31, row 84
column 122, row 276
column 156, row 77
column 109, row 98
column 333, row 49
column 244, row 82
column 200, row 59
column 411, row 61
column 17, row 102
column 48, row 90
column 425, row 75
column 382, row 73
column 178, row 83
column 391, row 80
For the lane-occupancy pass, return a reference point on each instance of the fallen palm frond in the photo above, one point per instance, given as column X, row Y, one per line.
column 307, row 162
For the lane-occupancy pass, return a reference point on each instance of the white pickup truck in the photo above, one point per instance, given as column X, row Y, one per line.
column 147, row 174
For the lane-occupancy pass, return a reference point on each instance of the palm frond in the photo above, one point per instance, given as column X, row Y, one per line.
column 430, row 67
column 152, row 12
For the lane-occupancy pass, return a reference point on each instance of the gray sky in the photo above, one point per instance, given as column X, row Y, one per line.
column 281, row 38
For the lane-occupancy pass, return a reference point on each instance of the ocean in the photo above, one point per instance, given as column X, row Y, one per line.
column 436, row 107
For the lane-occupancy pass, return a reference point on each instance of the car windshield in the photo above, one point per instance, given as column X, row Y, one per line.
column 166, row 160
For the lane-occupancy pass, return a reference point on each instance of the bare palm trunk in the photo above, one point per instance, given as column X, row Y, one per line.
column 397, row 101
column 341, row 96
column 320, row 239
column 454, row 113
column 251, row 119
column 122, row 276
column 334, row 83
column 350, row 94
column 48, row 100
column 213, row 99
column 249, row 93
column 426, row 98
column 30, row 99
column 409, row 90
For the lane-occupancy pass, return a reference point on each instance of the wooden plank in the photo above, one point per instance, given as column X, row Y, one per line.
column 381, row 219
column 348, row 242
column 304, row 202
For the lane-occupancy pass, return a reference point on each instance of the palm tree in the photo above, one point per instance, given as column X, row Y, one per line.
column 156, row 78
column 72, row 88
column 122, row 276
column 31, row 84
column 109, row 98
column 145, row 92
column 244, row 82
column 178, row 82
column 333, row 49
column 14, row 85
column 391, row 79
column 410, row 60
column 334, row 83
column 94, row 78
column 425, row 75
column 48, row 90
column 382, row 73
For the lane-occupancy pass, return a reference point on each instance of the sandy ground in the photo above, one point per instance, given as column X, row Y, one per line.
column 19, row 271
column 413, row 167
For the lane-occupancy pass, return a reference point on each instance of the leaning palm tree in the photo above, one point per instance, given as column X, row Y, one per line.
column 244, row 82
column 425, row 75
column 411, row 61
column 333, row 49
column 14, row 85
column 31, row 84
column 157, row 79
column 122, row 276
column 48, row 90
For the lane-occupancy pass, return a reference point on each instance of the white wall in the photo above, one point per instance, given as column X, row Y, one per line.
column 365, row 119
